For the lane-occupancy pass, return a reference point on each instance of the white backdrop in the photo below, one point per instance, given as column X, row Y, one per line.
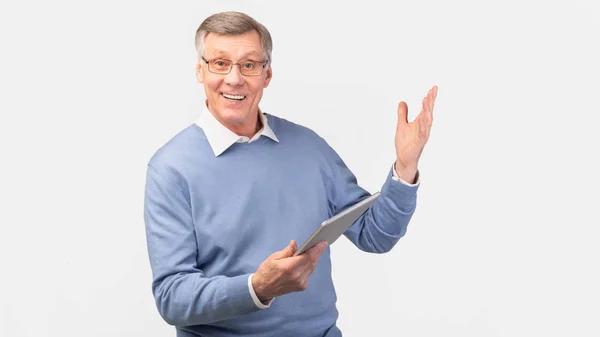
column 503, row 242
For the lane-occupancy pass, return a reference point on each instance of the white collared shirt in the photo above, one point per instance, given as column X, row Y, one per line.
column 221, row 138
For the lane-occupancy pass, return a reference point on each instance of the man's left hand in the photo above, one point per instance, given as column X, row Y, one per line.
column 412, row 137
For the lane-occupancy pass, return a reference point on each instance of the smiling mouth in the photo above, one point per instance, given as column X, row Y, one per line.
column 236, row 98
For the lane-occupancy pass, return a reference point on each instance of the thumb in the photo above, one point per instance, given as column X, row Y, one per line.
column 402, row 113
column 287, row 251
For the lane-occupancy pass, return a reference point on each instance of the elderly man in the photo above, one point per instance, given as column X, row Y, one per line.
column 227, row 193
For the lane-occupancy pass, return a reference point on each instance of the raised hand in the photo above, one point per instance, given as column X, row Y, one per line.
column 412, row 137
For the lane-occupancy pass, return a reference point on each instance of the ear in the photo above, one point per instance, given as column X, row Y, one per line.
column 199, row 72
column 269, row 72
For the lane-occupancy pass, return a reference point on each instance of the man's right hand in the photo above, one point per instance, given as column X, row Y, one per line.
column 283, row 273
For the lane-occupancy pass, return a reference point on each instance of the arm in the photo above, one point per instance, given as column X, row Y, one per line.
column 386, row 221
column 183, row 294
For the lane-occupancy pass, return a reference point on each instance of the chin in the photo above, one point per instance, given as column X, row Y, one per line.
column 236, row 116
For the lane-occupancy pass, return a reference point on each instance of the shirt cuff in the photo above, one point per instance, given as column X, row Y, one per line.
column 396, row 177
column 258, row 303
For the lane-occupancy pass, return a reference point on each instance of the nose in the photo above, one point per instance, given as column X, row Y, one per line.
column 235, row 77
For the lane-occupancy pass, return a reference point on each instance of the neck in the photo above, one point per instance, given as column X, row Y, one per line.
column 248, row 128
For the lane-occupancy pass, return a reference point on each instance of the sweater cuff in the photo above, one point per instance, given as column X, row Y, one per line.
column 396, row 177
column 257, row 302
column 403, row 194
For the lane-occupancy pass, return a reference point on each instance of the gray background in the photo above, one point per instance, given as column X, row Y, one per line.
column 503, row 242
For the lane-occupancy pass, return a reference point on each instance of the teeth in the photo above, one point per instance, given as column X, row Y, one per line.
column 238, row 97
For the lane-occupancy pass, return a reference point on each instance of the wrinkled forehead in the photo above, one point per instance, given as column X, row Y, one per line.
column 233, row 47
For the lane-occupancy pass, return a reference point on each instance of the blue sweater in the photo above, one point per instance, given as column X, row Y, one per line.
column 211, row 221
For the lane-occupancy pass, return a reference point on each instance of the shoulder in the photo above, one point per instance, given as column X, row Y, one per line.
column 290, row 131
column 178, row 145
column 303, row 140
column 178, row 154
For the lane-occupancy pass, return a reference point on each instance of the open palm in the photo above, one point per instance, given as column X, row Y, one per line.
column 412, row 137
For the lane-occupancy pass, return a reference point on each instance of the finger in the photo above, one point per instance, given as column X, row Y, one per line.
column 402, row 114
column 317, row 249
column 431, row 95
column 309, row 268
column 314, row 253
column 303, row 265
column 298, row 268
column 429, row 101
column 432, row 105
column 303, row 280
column 299, row 261
column 423, row 119
column 309, row 257
column 286, row 252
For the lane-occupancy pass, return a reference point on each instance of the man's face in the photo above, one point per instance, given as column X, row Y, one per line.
column 233, row 112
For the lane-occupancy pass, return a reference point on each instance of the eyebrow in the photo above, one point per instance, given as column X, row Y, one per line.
column 219, row 53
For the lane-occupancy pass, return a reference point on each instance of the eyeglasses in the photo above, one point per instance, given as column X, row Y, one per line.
column 224, row 66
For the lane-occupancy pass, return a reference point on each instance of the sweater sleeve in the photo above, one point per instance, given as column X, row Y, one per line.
column 386, row 221
column 183, row 294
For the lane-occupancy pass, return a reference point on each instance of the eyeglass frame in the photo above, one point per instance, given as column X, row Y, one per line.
column 264, row 65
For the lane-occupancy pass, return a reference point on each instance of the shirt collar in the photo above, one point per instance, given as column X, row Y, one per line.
column 221, row 138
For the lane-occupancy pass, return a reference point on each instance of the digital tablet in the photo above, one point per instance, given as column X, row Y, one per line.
column 334, row 227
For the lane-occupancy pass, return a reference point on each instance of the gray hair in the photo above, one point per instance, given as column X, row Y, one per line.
column 233, row 23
